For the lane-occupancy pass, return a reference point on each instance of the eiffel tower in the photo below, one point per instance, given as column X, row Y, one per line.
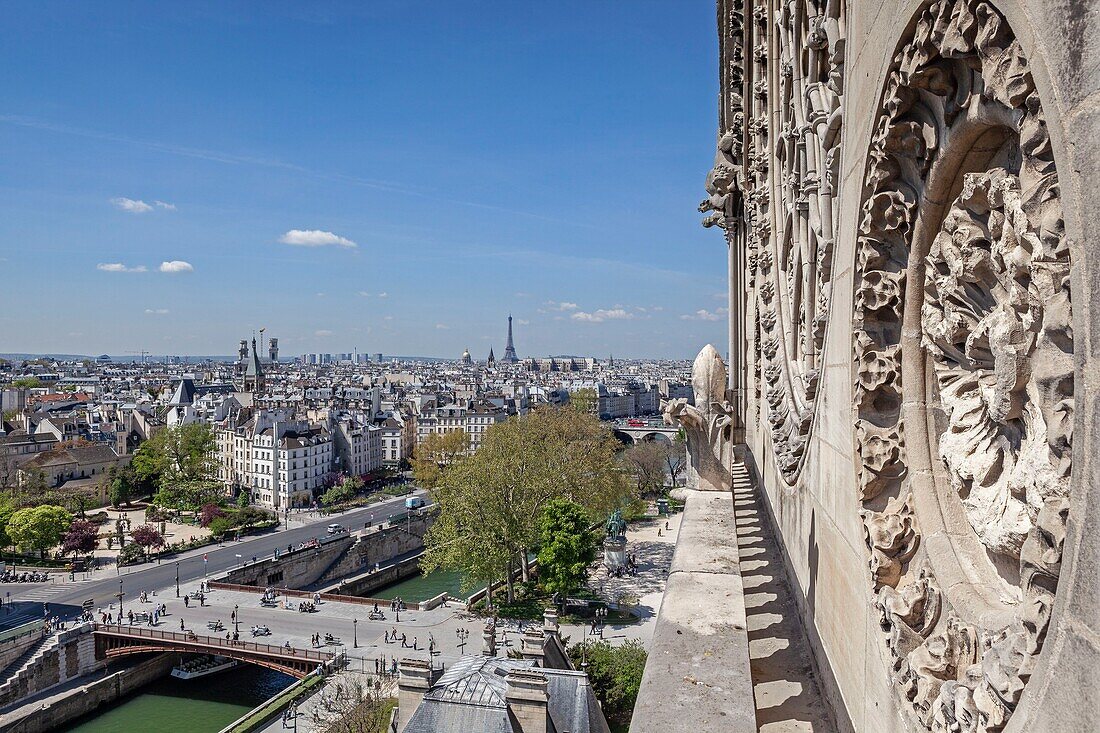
column 510, row 349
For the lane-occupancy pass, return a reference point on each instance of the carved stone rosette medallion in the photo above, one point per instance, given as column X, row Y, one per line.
column 964, row 381
column 782, row 156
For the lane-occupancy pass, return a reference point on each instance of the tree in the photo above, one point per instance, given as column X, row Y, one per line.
column 566, row 547
column 646, row 463
column 188, row 496
column 615, row 674
column 349, row 706
column 585, row 399
column 83, row 536
column 7, row 509
column 26, row 383
column 490, row 502
column 183, row 453
column 209, row 513
column 438, row 451
column 146, row 536
column 123, row 485
column 220, row 526
column 39, row 528
column 34, row 482
column 676, row 456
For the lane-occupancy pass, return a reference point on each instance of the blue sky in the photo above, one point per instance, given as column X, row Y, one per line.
column 387, row 176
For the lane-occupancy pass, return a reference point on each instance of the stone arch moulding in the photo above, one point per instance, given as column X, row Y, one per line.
column 773, row 190
column 963, row 369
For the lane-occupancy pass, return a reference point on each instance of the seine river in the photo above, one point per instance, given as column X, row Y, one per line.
column 204, row 705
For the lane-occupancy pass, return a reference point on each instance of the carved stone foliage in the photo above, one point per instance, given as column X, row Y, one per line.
column 962, row 123
column 707, row 424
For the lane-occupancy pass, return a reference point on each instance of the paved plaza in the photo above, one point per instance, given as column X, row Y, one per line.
column 364, row 639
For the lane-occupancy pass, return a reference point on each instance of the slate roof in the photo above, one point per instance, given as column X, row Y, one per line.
column 471, row 696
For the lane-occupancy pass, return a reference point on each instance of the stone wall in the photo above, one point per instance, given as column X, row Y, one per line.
column 910, row 189
column 381, row 544
column 336, row 556
column 366, row 583
column 296, row 569
column 96, row 693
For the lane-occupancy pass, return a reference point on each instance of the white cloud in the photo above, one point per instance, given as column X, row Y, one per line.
column 364, row 293
column 156, row 311
column 704, row 315
column 315, row 238
column 323, row 333
column 599, row 316
column 165, row 205
column 387, row 318
column 442, row 326
column 383, row 295
column 562, row 306
column 118, row 267
column 131, row 206
column 320, row 295
column 522, row 322
column 176, row 266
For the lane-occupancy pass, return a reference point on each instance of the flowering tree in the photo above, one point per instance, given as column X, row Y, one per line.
column 210, row 512
column 147, row 536
column 81, row 537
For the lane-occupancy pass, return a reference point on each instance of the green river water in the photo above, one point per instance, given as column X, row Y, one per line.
column 422, row 587
column 203, row 705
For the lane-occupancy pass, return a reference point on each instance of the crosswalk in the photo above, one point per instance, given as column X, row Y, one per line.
column 42, row 592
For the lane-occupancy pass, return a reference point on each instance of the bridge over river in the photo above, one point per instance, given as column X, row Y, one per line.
column 644, row 430
column 112, row 641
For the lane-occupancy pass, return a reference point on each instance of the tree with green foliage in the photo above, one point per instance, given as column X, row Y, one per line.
column 220, row 526
column 585, row 399
column 39, row 528
column 183, row 453
column 615, row 673
column 7, row 508
column 566, row 547
column 438, row 451
column 490, row 502
column 345, row 489
column 188, row 496
column 26, row 383
column 122, row 485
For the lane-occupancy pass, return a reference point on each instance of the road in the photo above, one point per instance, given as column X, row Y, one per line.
column 64, row 599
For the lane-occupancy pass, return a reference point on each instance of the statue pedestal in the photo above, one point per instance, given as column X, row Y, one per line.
column 614, row 552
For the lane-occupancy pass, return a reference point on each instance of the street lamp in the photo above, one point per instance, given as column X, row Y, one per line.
column 120, row 594
column 177, row 578
column 236, row 618
column 355, row 633
column 463, row 634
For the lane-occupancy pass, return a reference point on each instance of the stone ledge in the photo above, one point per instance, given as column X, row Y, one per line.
column 697, row 677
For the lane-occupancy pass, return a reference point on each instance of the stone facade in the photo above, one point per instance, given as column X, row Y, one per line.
column 905, row 189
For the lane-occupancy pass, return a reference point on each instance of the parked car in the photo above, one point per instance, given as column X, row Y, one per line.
column 414, row 502
column 336, row 528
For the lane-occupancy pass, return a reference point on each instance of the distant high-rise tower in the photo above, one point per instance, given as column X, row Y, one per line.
column 492, row 362
column 510, row 348
column 273, row 350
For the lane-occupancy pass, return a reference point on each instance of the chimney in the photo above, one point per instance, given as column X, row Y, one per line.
column 550, row 622
column 526, row 697
column 532, row 646
column 489, row 640
column 413, row 681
